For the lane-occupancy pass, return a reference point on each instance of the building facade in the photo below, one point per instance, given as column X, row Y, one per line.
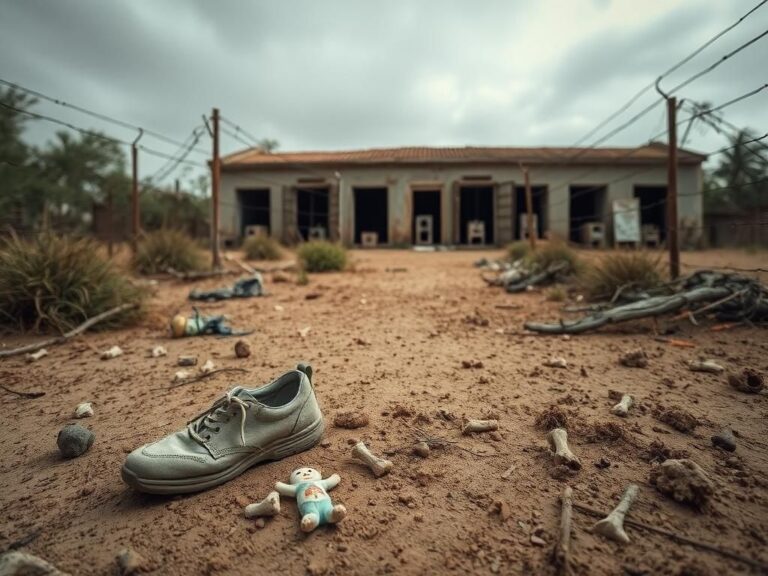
column 451, row 196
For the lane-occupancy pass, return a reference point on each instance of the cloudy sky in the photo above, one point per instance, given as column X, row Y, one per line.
column 339, row 74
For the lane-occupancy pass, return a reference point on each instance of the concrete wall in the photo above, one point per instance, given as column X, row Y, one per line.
column 400, row 180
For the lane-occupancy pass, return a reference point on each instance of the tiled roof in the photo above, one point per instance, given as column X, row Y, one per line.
column 650, row 154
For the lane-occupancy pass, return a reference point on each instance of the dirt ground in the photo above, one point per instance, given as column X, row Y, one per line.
column 390, row 339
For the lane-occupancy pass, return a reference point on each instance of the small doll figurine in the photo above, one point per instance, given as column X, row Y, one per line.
column 309, row 489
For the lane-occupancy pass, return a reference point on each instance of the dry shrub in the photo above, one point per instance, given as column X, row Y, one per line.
column 556, row 294
column 657, row 451
column 553, row 252
column 552, row 417
column 158, row 251
column 322, row 256
column 58, row 282
column 625, row 271
column 518, row 250
column 261, row 248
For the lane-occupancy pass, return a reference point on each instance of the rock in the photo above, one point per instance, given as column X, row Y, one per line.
column 22, row 564
column 678, row 419
column 421, row 449
column 84, row 410
column 242, row 349
column 556, row 362
column 683, row 480
column 468, row 364
column 350, row 420
column 748, row 380
column 603, row 463
column 187, row 361
column 158, row 351
column 113, row 352
column 130, row 562
column 74, row 440
column 207, row 367
column 502, row 508
column 725, row 440
column 634, row 358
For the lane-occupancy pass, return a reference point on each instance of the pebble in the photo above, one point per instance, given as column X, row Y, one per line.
column 187, row 361
column 84, row 410
column 158, row 351
column 207, row 367
column 130, row 562
column 242, row 349
column 74, row 440
column 35, row 356
column 421, row 449
column 725, row 440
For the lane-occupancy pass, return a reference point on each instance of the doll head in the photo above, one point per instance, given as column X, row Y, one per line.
column 305, row 475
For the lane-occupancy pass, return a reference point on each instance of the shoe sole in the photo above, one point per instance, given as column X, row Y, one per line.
column 278, row 450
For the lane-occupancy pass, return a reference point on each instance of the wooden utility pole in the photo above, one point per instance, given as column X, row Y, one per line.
column 672, row 228
column 215, row 176
column 135, row 210
column 111, row 220
column 529, row 208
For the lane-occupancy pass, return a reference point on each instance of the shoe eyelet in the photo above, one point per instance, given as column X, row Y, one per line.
column 208, row 438
column 217, row 429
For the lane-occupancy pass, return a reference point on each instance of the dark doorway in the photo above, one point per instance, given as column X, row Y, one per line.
column 476, row 203
column 254, row 208
column 371, row 213
column 587, row 205
column 653, row 207
column 539, row 200
column 312, row 213
column 427, row 203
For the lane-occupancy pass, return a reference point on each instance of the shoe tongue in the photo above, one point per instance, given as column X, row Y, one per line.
column 242, row 393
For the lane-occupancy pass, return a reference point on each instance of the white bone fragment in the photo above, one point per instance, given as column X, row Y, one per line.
column 207, row 367
column 270, row 506
column 622, row 408
column 705, row 366
column 507, row 474
column 612, row 526
column 113, row 352
column 180, row 375
column 279, row 308
column 558, row 443
column 35, row 356
column 556, row 362
column 304, row 332
column 379, row 466
column 480, row 426
column 84, row 410
column 158, row 351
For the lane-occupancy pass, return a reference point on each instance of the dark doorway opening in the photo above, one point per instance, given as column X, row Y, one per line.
column 254, row 209
column 371, row 213
column 426, row 203
column 539, row 201
column 587, row 205
column 312, row 208
column 653, row 208
column 476, row 203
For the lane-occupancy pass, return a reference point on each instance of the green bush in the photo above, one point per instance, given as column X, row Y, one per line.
column 164, row 249
column 552, row 252
column 518, row 250
column 261, row 248
column 321, row 256
column 635, row 270
column 58, row 282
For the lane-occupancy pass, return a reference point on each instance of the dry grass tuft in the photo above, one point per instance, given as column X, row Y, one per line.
column 518, row 250
column 262, row 248
column 621, row 271
column 164, row 249
column 322, row 256
column 553, row 252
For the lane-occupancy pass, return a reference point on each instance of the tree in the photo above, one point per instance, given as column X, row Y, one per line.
column 741, row 178
column 268, row 145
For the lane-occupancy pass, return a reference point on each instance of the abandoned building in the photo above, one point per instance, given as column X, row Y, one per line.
column 453, row 196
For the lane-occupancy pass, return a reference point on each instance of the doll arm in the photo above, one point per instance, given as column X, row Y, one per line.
column 285, row 489
column 331, row 482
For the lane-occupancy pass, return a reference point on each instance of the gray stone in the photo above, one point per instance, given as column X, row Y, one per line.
column 725, row 440
column 74, row 440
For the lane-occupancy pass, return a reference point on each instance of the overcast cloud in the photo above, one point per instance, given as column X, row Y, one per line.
column 340, row 74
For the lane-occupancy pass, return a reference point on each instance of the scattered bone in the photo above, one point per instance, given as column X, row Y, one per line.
column 562, row 551
column 507, row 474
column 304, row 332
column 84, row 410
column 622, row 408
column 421, row 449
column 378, row 466
column 558, row 443
column 270, row 506
column 749, row 380
column 180, row 375
column 479, row 426
column 158, row 351
column 187, row 361
column 16, row 563
column 612, row 526
column 207, row 367
column 634, row 358
column 113, row 352
column 130, row 562
column 35, row 356
column 350, row 420
column 683, row 480
column 242, row 350
column 278, row 308
column 725, row 440
column 556, row 362
column 705, row 366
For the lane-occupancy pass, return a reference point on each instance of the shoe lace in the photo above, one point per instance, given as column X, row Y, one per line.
column 215, row 414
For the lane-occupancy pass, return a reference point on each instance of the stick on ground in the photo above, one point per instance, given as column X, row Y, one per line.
column 562, row 552
column 205, row 375
column 71, row 334
column 23, row 394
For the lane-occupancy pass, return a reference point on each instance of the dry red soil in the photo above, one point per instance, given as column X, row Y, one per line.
column 389, row 339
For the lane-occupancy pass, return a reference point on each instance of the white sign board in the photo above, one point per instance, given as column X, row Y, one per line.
column 626, row 220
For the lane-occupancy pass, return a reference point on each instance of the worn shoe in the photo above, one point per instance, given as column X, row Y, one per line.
column 243, row 428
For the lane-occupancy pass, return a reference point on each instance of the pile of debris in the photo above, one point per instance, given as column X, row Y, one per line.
column 726, row 297
column 522, row 275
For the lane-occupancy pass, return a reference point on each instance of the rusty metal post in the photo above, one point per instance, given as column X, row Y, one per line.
column 215, row 179
column 135, row 210
column 672, row 224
